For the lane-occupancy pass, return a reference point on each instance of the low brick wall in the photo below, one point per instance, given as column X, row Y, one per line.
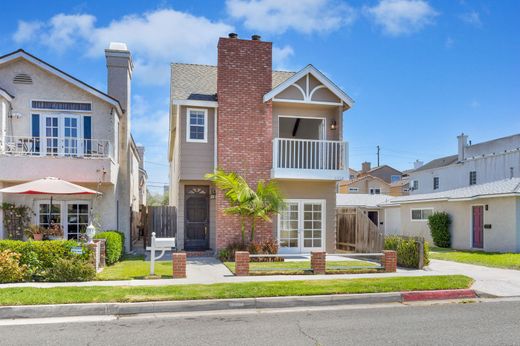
column 389, row 261
column 318, row 262
column 179, row 265
column 241, row 263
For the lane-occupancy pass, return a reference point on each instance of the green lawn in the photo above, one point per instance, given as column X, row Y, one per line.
column 98, row 294
column 488, row 259
column 135, row 268
column 304, row 267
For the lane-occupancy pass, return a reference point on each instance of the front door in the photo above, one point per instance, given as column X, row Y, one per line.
column 196, row 217
column 301, row 226
column 478, row 226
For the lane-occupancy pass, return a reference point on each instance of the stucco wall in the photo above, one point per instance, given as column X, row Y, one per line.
column 392, row 220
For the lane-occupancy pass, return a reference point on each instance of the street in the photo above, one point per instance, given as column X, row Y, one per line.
column 472, row 323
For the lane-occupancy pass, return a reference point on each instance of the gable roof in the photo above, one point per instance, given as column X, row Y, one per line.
column 383, row 166
column 437, row 163
column 500, row 188
column 199, row 82
column 366, row 176
column 309, row 69
column 22, row 54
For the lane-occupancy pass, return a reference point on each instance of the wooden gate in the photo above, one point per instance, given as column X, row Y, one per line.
column 356, row 232
column 159, row 219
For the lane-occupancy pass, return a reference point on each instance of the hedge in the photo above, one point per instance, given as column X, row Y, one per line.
column 407, row 250
column 115, row 245
column 41, row 256
column 439, row 224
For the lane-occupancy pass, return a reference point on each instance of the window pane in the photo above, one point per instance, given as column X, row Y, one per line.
column 416, row 214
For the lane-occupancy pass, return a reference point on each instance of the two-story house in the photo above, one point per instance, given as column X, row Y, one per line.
column 54, row 125
column 383, row 179
column 245, row 117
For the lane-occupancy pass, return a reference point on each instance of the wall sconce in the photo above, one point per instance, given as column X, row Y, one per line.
column 212, row 193
column 333, row 125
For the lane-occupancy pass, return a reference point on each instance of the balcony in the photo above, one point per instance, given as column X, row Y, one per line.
column 309, row 159
column 72, row 159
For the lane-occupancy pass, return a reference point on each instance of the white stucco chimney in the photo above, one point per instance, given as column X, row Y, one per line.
column 119, row 69
column 463, row 143
column 417, row 164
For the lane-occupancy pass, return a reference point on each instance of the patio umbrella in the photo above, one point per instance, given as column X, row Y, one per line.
column 49, row 186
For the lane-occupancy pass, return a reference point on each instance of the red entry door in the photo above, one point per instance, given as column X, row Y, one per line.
column 478, row 227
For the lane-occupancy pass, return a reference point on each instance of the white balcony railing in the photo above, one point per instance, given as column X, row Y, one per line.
column 55, row 146
column 302, row 157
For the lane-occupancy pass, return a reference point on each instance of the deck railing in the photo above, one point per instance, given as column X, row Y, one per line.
column 289, row 153
column 55, row 146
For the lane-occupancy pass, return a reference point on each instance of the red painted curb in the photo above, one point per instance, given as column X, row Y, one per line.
column 437, row 295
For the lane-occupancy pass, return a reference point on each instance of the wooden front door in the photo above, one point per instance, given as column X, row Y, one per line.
column 196, row 217
column 478, row 227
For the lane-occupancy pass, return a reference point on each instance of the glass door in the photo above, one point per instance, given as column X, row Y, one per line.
column 301, row 226
column 52, row 133
column 70, row 135
column 77, row 219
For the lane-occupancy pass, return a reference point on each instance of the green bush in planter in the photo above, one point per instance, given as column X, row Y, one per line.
column 439, row 224
column 115, row 244
column 407, row 250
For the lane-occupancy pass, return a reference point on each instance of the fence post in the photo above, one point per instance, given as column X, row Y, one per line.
column 390, row 261
column 179, row 265
column 241, row 263
column 318, row 262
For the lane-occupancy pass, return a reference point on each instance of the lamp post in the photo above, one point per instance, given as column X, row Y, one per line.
column 90, row 232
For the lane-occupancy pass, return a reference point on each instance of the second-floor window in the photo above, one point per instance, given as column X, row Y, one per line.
column 473, row 177
column 435, row 183
column 395, row 178
column 197, row 125
column 374, row 191
column 415, row 185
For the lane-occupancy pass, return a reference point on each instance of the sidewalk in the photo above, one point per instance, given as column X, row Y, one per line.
column 208, row 270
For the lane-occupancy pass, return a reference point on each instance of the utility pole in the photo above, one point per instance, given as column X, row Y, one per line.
column 378, row 152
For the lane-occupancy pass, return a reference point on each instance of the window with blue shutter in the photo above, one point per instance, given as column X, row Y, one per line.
column 36, row 133
column 87, row 134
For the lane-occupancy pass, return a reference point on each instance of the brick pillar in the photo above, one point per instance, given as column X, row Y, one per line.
column 241, row 263
column 103, row 251
column 179, row 265
column 318, row 262
column 390, row 261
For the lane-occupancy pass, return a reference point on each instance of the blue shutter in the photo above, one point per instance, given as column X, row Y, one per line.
column 87, row 134
column 36, row 133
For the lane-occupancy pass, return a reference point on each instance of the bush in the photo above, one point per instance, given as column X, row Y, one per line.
column 407, row 250
column 115, row 244
column 10, row 268
column 268, row 247
column 40, row 256
column 68, row 270
column 439, row 224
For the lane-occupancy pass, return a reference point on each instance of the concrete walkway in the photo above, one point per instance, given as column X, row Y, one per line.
column 209, row 270
column 494, row 281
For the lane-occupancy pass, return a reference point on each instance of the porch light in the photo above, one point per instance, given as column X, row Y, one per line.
column 212, row 193
column 333, row 124
column 90, row 232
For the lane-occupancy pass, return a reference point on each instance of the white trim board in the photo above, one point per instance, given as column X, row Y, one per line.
column 188, row 114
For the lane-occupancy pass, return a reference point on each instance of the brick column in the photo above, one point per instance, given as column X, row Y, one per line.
column 318, row 262
column 179, row 265
column 241, row 263
column 390, row 261
column 103, row 251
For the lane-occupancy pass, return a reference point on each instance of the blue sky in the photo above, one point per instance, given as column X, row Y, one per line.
column 420, row 71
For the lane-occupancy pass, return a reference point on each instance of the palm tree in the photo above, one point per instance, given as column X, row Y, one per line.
column 267, row 201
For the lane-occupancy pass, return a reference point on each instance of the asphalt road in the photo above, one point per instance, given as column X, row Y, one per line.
column 487, row 323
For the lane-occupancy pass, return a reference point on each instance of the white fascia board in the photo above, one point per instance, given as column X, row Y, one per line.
column 319, row 76
column 195, row 103
column 6, row 96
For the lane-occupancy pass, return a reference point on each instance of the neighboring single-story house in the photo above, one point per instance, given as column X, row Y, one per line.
column 485, row 216
column 369, row 204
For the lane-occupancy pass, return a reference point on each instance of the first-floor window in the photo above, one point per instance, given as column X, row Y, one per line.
column 421, row 214
column 375, row 191
column 197, row 125
column 353, row 189
column 48, row 215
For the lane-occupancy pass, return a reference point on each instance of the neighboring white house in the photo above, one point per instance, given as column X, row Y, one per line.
column 53, row 124
column 473, row 164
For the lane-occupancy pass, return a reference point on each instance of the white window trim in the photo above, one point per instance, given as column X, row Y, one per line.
column 419, row 220
column 188, row 139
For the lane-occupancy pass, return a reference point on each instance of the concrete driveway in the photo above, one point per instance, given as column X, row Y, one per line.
column 494, row 281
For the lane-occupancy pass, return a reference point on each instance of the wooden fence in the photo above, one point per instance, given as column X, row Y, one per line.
column 159, row 219
column 356, row 232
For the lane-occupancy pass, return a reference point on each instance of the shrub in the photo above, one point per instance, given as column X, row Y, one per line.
column 40, row 256
column 439, row 224
column 228, row 253
column 10, row 268
column 68, row 270
column 407, row 250
column 115, row 244
column 268, row 247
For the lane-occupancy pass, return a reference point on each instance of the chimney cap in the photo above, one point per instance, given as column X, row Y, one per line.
column 256, row 37
column 121, row 46
column 232, row 35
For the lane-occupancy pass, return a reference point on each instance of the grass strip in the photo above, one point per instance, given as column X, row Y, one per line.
column 488, row 259
column 304, row 267
column 102, row 294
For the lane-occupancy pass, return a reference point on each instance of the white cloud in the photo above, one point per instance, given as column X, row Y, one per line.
column 155, row 38
column 472, row 18
column 399, row 17
column 26, row 31
column 281, row 56
column 305, row 16
column 150, row 121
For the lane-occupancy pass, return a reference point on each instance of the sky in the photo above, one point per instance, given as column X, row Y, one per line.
column 421, row 71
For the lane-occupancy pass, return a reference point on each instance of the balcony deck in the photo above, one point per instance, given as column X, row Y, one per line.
column 309, row 159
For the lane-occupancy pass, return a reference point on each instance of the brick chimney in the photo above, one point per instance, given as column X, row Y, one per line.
column 244, row 128
column 365, row 167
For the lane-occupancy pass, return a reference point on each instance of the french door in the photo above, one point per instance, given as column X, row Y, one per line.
column 73, row 216
column 62, row 135
column 301, row 226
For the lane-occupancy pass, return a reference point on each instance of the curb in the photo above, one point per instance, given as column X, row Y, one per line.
column 100, row 309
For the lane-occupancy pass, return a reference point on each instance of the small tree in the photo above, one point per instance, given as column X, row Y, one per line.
column 439, row 224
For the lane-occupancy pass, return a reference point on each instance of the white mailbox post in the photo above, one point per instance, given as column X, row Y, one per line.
column 159, row 244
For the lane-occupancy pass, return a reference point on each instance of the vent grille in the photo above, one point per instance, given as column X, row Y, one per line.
column 69, row 106
column 22, row 78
